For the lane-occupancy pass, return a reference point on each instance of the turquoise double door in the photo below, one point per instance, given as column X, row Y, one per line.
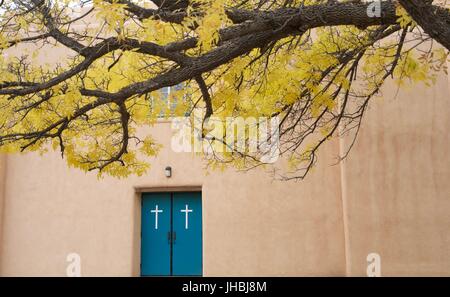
column 171, row 239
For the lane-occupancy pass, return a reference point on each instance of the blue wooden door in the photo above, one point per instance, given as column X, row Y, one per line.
column 155, row 239
column 187, row 228
column 171, row 242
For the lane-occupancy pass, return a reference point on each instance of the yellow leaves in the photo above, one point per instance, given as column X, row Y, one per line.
column 149, row 147
column 22, row 22
column 129, row 164
column 374, row 64
column 141, row 113
column 99, row 146
column 298, row 70
column 114, row 72
column 3, row 41
column 69, row 102
column 409, row 65
column 404, row 19
column 441, row 54
column 342, row 81
column 412, row 70
column 112, row 13
column 320, row 102
column 254, row 88
column 291, row 97
column 209, row 25
column 293, row 162
column 208, row 32
column 443, row 59
column 159, row 32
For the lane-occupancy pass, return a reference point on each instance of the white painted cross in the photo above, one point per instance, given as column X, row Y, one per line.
column 156, row 211
column 187, row 211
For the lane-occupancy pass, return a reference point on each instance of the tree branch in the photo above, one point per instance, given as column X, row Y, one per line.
column 434, row 20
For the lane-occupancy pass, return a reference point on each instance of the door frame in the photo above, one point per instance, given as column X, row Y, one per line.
column 138, row 192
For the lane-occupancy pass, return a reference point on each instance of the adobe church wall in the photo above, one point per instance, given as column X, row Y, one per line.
column 252, row 225
column 395, row 183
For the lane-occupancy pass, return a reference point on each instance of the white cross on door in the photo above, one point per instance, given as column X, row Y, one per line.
column 156, row 211
column 186, row 211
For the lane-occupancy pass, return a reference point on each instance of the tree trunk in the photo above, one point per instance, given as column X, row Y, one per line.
column 434, row 20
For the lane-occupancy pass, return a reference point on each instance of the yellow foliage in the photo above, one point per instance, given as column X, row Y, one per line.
column 258, row 84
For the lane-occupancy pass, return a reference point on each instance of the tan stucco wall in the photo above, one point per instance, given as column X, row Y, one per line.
column 252, row 224
column 396, row 183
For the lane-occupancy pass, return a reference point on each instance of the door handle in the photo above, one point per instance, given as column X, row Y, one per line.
column 169, row 237
column 174, row 237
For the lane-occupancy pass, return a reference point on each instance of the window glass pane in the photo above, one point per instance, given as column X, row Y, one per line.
column 171, row 101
